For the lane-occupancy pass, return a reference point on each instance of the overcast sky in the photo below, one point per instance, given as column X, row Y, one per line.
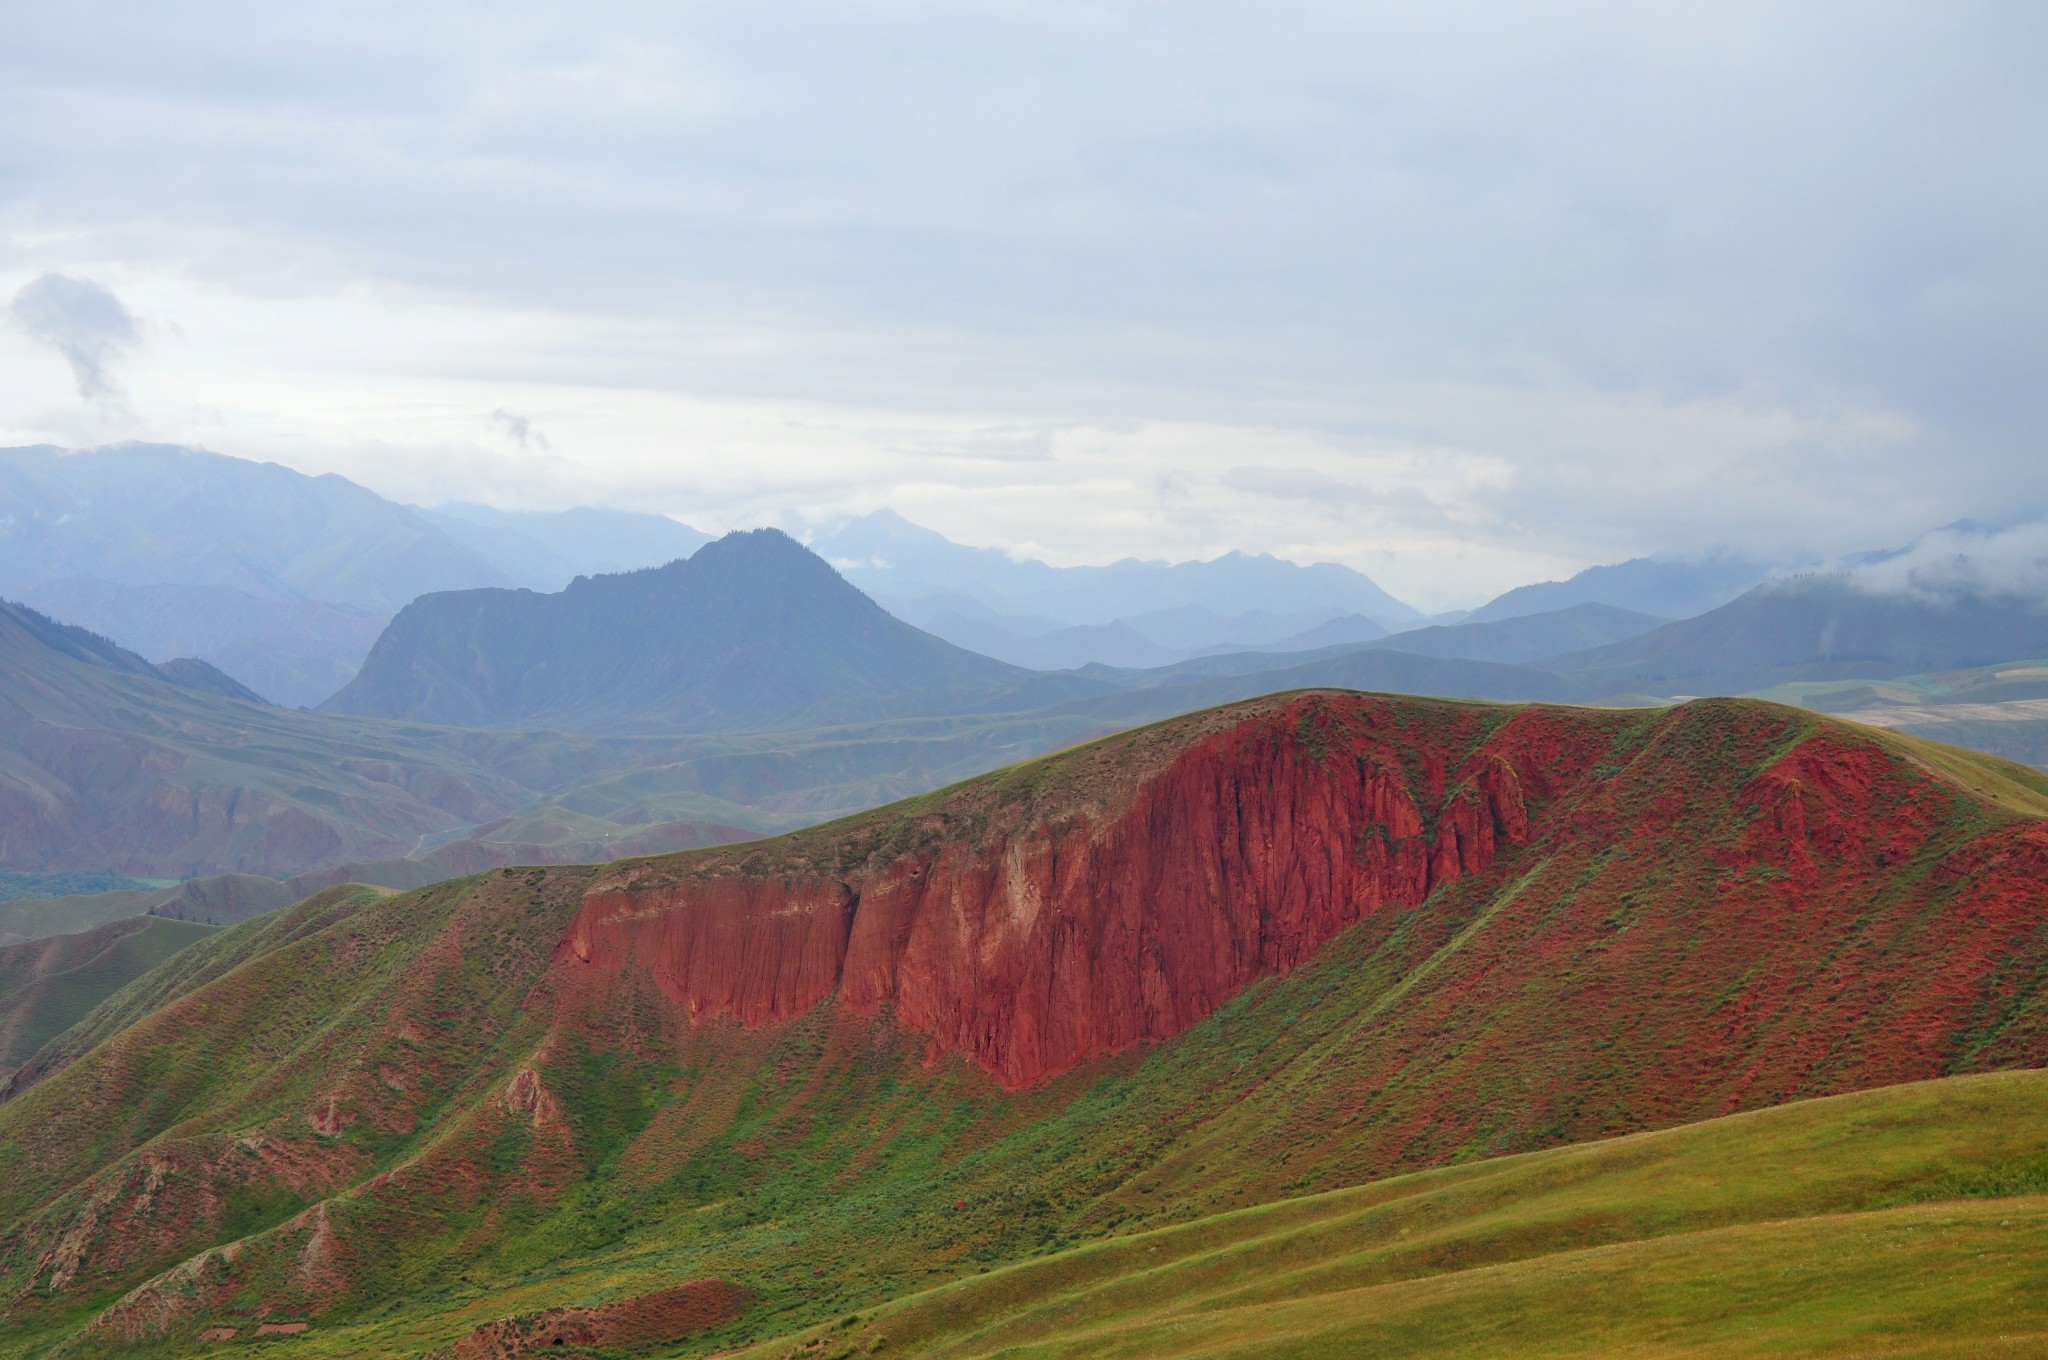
column 1463, row 295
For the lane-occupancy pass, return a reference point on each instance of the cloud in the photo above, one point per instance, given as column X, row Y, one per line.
column 1747, row 273
column 84, row 323
column 1963, row 560
column 521, row 430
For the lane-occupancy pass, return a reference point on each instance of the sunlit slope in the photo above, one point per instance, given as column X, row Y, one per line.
column 401, row 1120
column 1911, row 1220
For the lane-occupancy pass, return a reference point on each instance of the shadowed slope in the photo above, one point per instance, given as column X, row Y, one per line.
column 1294, row 945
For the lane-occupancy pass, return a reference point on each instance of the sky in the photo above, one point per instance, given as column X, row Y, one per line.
column 1462, row 295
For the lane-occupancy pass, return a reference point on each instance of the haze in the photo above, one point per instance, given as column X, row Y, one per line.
column 1463, row 297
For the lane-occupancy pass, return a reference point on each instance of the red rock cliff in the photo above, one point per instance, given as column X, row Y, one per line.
column 1033, row 928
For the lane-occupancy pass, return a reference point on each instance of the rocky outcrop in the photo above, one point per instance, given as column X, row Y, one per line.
column 1040, row 927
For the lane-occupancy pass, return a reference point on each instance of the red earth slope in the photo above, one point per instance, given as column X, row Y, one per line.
column 1129, row 891
column 1035, row 928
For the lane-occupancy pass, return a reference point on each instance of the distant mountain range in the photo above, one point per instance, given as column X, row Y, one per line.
column 278, row 579
column 283, row 581
column 1672, row 588
column 546, row 549
column 1130, row 611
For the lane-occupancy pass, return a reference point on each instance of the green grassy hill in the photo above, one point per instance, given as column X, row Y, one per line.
column 1911, row 1220
column 402, row 1119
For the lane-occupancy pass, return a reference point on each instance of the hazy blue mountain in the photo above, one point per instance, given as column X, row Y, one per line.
column 752, row 632
column 153, row 514
column 1527, row 639
column 1329, row 633
column 1669, row 588
column 546, row 549
column 1819, row 627
column 1205, row 681
column 292, row 652
column 1155, row 639
column 190, row 672
column 902, row 564
column 1055, row 649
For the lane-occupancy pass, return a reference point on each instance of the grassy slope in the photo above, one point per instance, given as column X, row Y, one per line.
column 216, row 953
column 824, row 1165
column 1909, row 1220
column 50, row 985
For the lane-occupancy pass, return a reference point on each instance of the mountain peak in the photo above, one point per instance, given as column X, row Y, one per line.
column 753, row 631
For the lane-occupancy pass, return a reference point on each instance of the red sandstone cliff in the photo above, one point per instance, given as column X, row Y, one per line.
column 1034, row 926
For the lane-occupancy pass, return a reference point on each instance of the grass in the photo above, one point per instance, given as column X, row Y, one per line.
column 48, row 986
column 1907, row 1220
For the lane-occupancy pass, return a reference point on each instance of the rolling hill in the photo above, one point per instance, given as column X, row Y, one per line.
column 753, row 632
column 1036, row 1060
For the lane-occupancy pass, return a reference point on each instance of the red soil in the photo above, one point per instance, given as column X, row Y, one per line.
column 1085, row 920
column 665, row 1315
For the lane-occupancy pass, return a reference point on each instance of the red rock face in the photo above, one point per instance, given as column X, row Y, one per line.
column 1080, row 923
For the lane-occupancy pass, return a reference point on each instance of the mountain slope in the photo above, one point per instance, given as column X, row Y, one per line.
column 751, row 632
column 154, row 514
column 105, row 764
column 1296, row 945
column 1814, row 628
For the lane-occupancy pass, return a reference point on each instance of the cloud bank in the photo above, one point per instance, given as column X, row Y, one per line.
column 1520, row 285
column 2008, row 562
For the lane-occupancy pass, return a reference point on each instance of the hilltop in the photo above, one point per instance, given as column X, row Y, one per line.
column 1295, row 945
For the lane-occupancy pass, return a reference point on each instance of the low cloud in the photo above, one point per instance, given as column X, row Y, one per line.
column 1963, row 560
column 84, row 323
column 528, row 437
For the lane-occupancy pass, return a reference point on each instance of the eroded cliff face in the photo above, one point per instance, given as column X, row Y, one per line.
column 1045, row 926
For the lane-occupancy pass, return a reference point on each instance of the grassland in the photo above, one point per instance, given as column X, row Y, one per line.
column 1904, row 1221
